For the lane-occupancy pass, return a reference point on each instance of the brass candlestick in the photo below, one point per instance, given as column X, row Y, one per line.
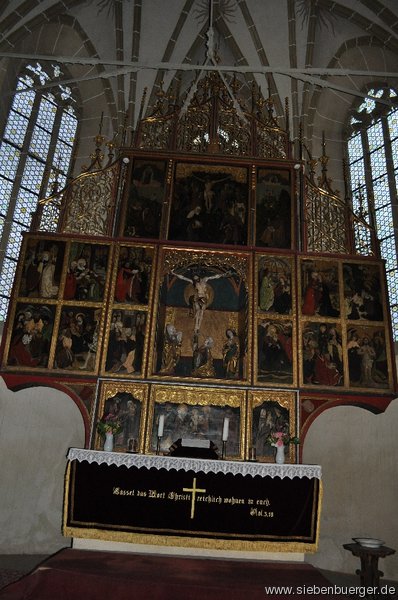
column 224, row 449
column 158, row 445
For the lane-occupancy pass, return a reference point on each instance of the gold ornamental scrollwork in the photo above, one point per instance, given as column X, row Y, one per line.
column 325, row 221
column 239, row 174
column 111, row 388
column 194, row 396
column 175, row 259
column 155, row 133
column 88, row 201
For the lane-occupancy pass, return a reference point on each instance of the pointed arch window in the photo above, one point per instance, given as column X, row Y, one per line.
column 35, row 153
column 373, row 167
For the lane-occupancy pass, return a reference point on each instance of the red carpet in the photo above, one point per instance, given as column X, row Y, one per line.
column 90, row 575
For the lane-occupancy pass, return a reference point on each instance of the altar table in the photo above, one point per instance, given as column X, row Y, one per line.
column 192, row 502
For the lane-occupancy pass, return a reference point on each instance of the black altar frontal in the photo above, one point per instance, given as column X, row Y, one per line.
column 191, row 502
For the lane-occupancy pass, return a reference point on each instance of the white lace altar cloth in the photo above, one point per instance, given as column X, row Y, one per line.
column 195, row 464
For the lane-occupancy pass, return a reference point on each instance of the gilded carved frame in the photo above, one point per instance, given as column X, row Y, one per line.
column 181, row 267
column 134, row 395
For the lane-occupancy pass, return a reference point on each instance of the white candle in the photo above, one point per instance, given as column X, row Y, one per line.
column 161, row 426
column 225, row 430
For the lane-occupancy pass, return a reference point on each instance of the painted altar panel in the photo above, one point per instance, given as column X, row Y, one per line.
column 143, row 204
column 270, row 412
column 322, row 354
column 42, row 265
column 59, row 326
column 128, row 319
column 201, row 329
column 29, row 338
column 274, row 221
column 275, row 284
column 132, row 274
column 344, row 332
column 320, row 288
column 364, row 291
column 209, row 204
column 368, row 357
column 127, row 402
column 126, row 342
column 275, row 361
column 78, row 338
column 87, row 271
column 198, row 414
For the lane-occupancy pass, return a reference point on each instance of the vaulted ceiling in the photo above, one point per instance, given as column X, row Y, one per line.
column 320, row 54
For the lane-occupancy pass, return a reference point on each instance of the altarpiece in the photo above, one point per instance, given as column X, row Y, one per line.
column 203, row 275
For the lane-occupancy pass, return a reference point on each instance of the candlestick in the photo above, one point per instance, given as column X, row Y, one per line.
column 158, row 445
column 224, row 450
column 132, row 445
column 252, row 453
column 225, row 429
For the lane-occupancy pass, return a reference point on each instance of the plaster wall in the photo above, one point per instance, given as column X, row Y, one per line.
column 358, row 453
column 37, row 426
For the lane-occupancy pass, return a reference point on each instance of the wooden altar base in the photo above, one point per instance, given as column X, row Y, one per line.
column 90, row 575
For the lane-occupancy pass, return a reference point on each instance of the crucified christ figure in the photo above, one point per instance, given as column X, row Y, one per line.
column 200, row 298
column 208, row 192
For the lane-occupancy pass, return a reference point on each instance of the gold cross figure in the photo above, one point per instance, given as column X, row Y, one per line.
column 193, row 489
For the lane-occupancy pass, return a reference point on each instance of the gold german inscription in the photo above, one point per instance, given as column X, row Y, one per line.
column 258, row 507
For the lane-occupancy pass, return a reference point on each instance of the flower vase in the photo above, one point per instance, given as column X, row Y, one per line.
column 280, row 455
column 108, row 445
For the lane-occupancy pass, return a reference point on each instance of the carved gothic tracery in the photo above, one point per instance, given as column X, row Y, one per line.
column 88, row 203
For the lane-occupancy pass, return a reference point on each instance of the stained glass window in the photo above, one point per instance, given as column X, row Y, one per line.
column 35, row 152
column 373, row 165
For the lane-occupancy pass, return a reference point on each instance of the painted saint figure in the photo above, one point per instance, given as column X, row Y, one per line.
column 231, row 353
column 171, row 350
column 266, row 291
column 46, row 268
column 202, row 358
column 368, row 355
column 311, row 295
column 127, row 283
